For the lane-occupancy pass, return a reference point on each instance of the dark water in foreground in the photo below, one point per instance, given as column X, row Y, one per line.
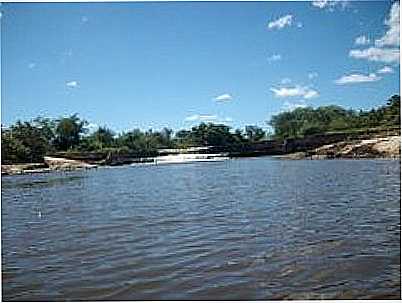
column 241, row 229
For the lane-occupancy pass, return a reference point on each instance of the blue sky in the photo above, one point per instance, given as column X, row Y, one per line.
column 174, row 64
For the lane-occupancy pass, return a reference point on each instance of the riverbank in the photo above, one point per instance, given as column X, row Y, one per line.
column 63, row 164
column 380, row 147
column 339, row 146
column 18, row 169
column 50, row 164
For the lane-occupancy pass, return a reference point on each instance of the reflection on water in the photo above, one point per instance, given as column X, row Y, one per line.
column 240, row 229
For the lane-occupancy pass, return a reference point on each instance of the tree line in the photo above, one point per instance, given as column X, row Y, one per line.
column 29, row 141
column 301, row 122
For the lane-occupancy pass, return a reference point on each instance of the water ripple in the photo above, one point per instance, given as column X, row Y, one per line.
column 250, row 229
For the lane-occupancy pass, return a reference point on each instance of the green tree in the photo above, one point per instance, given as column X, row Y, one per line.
column 307, row 121
column 47, row 127
column 254, row 133
column 103, row 137
column 12, row 149
column 24, row 142
column 392, row 112
column 68, row 132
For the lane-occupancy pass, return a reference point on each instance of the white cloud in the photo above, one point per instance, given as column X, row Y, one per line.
column 320, row 3
column 386, row 55
column 296, row 91
column 192, row 118
column 312, row 75
column 289, row 106
column 385, row 70
column 357, row 78
column 224, row 98
column 31, row 65
column 286, row 81
column 391, row 37
column 330, row 5
column 310, row 94
column 362, row 40
column 390, row 40
column 274, row 57
column 205, row 118
column 208, row 118
column 72, row 84
column 281, row 22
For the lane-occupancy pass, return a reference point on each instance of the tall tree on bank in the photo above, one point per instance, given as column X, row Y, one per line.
column 23, row 142
column 68, row 132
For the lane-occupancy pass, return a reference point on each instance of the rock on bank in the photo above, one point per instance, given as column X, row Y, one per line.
column 50, row 164
column 380, row 147
column 66, row 164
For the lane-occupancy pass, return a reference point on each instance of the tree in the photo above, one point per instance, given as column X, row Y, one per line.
column 392, row 112
column 307, row 121
column 68, row 132
column 254, row 133
column 24, row 142
column 12, row 149
column 166, row 137
column 47, row 127
column 103, row 137
column 239, row 137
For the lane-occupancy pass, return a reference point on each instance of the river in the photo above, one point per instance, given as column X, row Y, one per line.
column 257, row 228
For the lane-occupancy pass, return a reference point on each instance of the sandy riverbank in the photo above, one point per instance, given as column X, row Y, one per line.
column 63, row 164
column 50, row 164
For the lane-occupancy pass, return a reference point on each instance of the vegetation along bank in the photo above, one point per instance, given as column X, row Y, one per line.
column 323, row 132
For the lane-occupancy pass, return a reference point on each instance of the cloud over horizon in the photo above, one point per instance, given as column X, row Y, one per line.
column 296, row 91
column 289, row 106
column 357, row 78
column 207, row 118
column 197, row 117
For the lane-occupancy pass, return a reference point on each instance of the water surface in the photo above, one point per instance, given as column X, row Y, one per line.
column 241, row 229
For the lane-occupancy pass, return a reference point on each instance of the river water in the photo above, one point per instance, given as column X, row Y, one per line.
column 241, row 229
